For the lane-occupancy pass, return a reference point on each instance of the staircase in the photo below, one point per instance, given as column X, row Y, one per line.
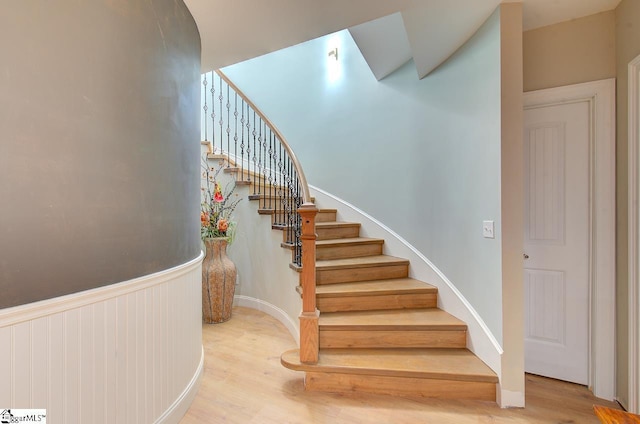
column 378, row 331
column 381, row 331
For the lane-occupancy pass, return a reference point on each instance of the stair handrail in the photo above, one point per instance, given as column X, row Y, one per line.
column 282, row 191
column 248, row 141
column 306, row 194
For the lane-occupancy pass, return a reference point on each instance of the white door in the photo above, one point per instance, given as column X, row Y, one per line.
column 556, row 241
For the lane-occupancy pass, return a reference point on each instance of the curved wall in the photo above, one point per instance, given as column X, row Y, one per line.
column 98, row 154
column 421, row 156
column 125, row 353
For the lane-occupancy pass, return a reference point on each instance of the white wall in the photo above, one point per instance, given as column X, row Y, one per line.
column 422, row 156
column 265, row 281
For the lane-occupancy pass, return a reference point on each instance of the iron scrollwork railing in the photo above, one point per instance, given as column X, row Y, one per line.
column 241, row 133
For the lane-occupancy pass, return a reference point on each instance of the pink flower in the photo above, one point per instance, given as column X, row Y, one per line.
column 217, row 194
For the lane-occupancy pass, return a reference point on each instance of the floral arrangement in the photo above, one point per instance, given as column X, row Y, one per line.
column 217, row 207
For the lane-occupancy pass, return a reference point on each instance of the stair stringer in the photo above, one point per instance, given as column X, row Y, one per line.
column 480, row 339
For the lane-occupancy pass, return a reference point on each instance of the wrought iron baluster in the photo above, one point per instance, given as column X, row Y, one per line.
column 228, row 130
column 270, row 166
column 242, row 142
column 260, row 174
column 280, row 205
column 213, row 113
column 263, row 149
column 235, row 134
column 205, row 108
column 248, row 125
column 290, row 211
column 221, row 121
column 274, row 182
column 285, row 204
column 294, row 210
column 265, row 164
column 256, row 177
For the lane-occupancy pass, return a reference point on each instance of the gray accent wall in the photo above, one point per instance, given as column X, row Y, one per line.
column 99, row 144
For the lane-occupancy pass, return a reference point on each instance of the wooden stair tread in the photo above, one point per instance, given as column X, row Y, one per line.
column 375, row 288
column 348, row 241
column 272, row 197
column 446, row 364
column 360, row 262
column 395, row 319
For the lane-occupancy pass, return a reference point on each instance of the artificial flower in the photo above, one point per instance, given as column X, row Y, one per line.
column 217, row 205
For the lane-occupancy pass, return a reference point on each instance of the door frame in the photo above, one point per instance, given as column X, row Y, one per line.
column 600, row 96
column 634, row 236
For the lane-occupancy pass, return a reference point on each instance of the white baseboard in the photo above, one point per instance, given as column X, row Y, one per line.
column 272, row 310
column 181, row 405
column 509, row 399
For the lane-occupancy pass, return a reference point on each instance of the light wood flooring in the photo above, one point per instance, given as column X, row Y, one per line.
column 243, row 382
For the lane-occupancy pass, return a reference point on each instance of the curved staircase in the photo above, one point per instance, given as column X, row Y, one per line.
column 378, row 330
column 381, row 331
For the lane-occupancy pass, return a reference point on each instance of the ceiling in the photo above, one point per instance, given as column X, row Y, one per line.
column 428, row 31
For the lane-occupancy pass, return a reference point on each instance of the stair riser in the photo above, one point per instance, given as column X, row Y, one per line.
column 326, row 216
column 347, row 275
column 399, row 386
column 271, row 200
column 365, row 303
column 348, row 251
column 337, row 232
column 279, row 218
column 393, row 339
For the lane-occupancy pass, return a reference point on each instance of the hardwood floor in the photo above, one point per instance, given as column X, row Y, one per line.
column 244, row 382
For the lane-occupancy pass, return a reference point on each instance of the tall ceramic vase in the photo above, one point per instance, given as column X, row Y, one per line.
column 218, row 282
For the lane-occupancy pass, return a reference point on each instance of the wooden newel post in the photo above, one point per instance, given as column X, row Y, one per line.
column 309, row 333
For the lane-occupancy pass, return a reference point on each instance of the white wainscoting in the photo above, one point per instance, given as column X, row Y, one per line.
column 129, row 352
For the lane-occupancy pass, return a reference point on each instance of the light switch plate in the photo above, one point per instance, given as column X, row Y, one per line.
column 488, row 229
